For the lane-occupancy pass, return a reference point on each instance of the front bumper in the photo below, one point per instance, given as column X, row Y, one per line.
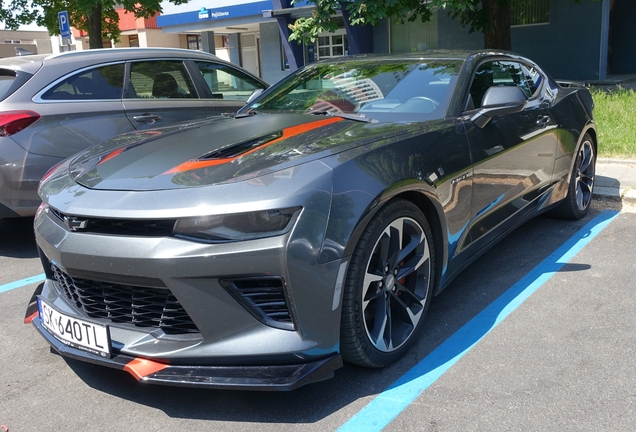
column 267, row 377
column 283, row 377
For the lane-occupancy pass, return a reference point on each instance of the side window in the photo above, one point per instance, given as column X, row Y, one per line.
column 497, row 73
column 161, row 79
column 534, row 78
column 104, row 82
column 227, row 83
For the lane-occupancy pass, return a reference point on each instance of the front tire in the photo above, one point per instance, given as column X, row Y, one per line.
column 388, row 287
column 577, row 203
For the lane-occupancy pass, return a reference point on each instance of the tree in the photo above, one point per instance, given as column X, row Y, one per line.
column 491, row 17
column 17, row 12
column 97, row 17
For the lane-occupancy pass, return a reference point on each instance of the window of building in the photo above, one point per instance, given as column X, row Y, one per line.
column 529, row 12
column 333, row 45
column 414, row 36
column 133, row 41
column 283, row 55
column 194, row 42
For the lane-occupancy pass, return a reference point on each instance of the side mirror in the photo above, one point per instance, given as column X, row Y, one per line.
column 499, row 101
column 256, row 93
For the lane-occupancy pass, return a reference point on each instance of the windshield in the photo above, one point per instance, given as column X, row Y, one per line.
column 385, row 90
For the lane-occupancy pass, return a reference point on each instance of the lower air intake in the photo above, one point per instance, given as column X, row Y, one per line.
column 264, row 297
column 140, row 306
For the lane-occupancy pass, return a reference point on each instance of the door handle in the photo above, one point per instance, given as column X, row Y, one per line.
column 542, row 121
column 147, row 118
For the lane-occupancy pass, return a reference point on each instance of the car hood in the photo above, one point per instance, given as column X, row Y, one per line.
column 219, row 150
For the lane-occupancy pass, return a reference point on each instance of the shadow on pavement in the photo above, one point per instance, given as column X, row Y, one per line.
column 17, row 239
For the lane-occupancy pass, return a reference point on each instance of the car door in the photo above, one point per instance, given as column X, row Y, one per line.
column 513, row 154
column 77, row 111
column 161, row 92
column 227, row 87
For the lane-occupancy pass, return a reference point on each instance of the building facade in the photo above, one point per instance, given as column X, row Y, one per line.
column 13, row 42
column 585, row 41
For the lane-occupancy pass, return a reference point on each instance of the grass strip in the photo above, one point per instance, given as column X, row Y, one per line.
column 615, row 115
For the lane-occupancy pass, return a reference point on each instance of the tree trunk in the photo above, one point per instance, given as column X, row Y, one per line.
column 94, row 27
column 497, row 32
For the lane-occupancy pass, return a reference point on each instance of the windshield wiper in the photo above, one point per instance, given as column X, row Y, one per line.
column 354, row 117
column 245, row 114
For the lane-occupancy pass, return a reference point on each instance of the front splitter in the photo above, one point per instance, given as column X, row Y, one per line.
column 268, row 377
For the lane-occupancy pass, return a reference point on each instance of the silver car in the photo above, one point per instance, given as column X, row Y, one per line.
column 52, row 106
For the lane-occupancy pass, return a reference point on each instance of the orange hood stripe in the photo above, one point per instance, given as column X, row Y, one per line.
column 287, row 133
column 141, row 368
column 111, row 155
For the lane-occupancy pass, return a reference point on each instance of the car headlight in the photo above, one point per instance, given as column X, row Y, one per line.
column 237, row 227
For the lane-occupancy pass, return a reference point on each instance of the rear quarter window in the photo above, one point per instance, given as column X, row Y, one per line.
column 105, row 82
column 10, row 81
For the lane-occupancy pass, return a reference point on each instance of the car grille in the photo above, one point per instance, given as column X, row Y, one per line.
column 140, row 306
column 131, row 227
column 264, row 297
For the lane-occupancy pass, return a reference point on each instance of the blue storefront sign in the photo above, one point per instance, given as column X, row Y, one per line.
column 236, row 11
column 204, row 14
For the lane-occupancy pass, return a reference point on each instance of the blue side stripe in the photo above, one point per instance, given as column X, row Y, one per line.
column 387, row 405
column 22, row 282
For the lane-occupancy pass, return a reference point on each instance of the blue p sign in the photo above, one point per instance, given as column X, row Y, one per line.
column 65, row 28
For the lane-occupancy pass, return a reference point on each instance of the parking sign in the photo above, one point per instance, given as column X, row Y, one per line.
column 65, row 27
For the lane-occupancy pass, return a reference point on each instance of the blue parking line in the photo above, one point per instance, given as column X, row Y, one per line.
column 22, row 282
column 387, row 405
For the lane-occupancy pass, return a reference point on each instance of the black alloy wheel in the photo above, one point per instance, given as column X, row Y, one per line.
column 388, row 287
column 581, row 189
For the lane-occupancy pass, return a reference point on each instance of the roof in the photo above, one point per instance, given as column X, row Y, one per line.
column 130, row 53
column 72, row 59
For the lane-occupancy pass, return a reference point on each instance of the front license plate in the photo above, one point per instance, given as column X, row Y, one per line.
column 73, row 331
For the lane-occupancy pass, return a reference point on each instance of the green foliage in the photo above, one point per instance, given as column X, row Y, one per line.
column 473, row 14
column 614, row 114
column 17, row 12
column 44, row 13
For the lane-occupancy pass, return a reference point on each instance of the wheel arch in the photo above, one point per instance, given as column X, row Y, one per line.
column 590, row 129
column 431, row 208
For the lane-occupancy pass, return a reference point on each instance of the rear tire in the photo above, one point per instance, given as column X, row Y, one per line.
column 581, row 189
column 388, row 287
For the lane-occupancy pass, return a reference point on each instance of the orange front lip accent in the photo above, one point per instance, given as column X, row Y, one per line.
column 287, row 133
column 30, row 318
column 140, row 368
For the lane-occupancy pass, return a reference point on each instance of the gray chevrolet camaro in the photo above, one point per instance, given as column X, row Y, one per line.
column 259, row 251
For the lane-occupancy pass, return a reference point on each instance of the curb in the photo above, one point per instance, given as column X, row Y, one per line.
column 615, row 194
column 610, row 161
column 630, row 196
column 610, row 82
